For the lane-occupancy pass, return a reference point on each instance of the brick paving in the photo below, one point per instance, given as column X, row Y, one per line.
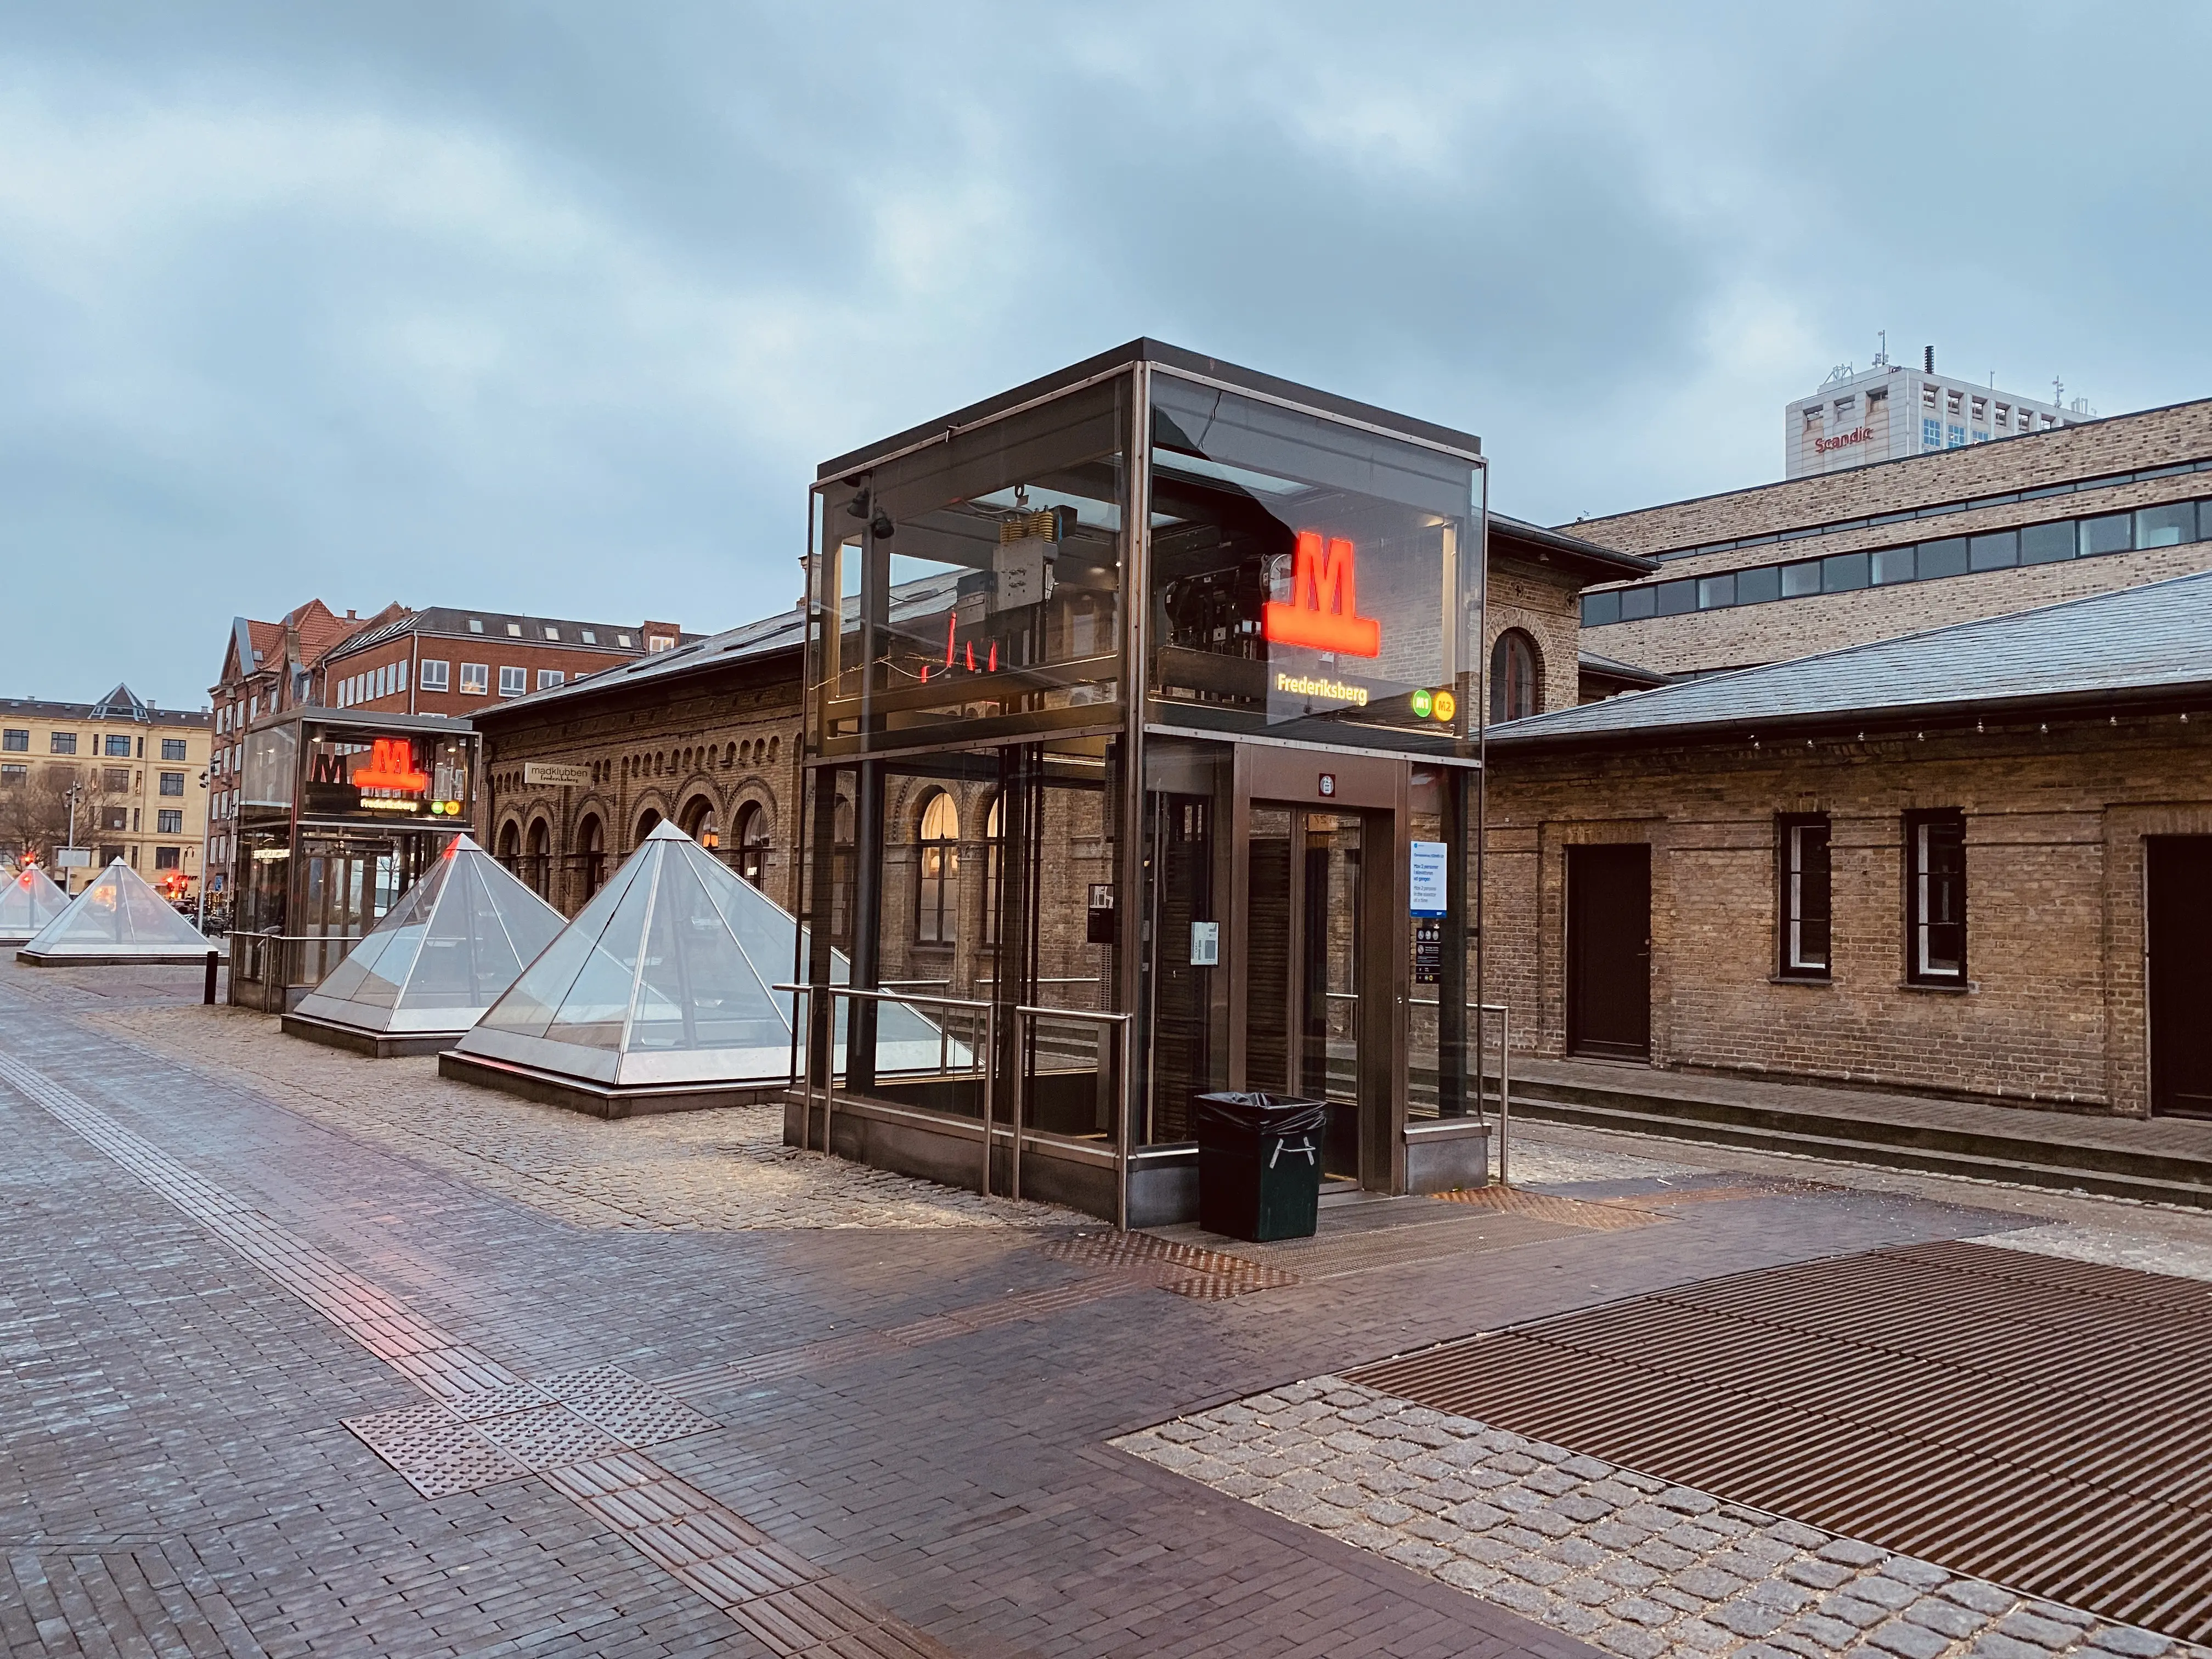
column 1638, row 1565
column 917, row 1405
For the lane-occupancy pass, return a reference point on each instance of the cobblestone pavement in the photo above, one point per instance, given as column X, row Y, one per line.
column 723, row 1169
column 1638, row 1566
column 240, row 1268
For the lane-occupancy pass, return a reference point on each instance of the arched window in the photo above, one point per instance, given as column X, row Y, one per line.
column 938, row 892
column 592, row 853
column 841, row 872
column 648, row 822
column 994, row 846
column 700, row 824
column 538, row 862
column 1516, row 690
column 510, row 845
column 752, row 843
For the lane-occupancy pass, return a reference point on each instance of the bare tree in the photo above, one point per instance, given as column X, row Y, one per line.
column 34, row 814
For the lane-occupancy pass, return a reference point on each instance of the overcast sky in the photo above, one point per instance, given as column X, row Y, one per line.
column 554, row 308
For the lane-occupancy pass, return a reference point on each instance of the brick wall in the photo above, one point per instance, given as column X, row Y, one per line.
column 721, row 741
column 1542, row 602
column 1744, row 634
column 2054, row 822
column 2121, row 443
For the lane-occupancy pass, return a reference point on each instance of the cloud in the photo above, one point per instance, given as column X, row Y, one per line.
column 556, row 307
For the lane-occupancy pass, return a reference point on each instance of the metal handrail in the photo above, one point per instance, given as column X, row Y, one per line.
column 1127, row 1022
column 829, row 1081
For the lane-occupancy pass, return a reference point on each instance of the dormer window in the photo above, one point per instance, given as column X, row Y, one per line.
column 591, row 637
column 476, row 624
column 514, row 630
column 622, row 640
column 552, row 633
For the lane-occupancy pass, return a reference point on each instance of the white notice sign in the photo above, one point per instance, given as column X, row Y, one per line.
column 557, row 773
column 73, row 858
column 1205, row 945
column 1431, row 869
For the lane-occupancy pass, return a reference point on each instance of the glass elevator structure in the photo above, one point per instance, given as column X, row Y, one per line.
column 1142, row 743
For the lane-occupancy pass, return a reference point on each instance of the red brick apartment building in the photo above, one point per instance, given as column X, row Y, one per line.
column 435, row 661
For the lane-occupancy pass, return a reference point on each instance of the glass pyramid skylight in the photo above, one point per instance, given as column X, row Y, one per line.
column 665, row 978
column 27, row 903
column 119, row 918
column 441, row 956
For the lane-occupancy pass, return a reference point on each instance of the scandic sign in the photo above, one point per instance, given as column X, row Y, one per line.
column 1323, row 612
column 1855, row 435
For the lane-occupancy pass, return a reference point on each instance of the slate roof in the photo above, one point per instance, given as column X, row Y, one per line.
column 449, row 621
column 784, row 631
column 2133, row 645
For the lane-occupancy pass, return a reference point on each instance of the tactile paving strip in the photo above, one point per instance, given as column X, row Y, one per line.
column 781, row 1598
column 633, row 1413
column 435, row 1451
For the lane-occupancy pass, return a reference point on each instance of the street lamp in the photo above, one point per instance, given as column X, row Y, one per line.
column 207, row 830
column 70, row 795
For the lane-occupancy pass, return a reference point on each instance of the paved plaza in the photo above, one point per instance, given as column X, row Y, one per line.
column 313, row 1354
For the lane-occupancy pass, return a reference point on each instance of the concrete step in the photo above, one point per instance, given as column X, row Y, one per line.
column 1892, row 1142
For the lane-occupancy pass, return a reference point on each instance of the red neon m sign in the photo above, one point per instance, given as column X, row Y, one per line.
column 1324, row 609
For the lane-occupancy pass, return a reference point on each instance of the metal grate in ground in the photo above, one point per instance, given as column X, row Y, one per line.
column 2040, row 1422
column 1178, row 1265
column 1380, row 1233
column 1609, row 1216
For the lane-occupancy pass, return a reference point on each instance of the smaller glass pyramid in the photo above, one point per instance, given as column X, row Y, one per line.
column 27, row 903
column 118, row 919
column 442, row 955
column 666, row 979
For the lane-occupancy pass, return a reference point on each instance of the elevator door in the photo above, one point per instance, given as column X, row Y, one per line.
column 1305, row 1003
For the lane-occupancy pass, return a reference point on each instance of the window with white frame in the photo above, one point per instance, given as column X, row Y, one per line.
column 1935, row 897
column 433, row 674
column 1804, row 909
column 511, row 681
column 549, row 678
column 476, row 679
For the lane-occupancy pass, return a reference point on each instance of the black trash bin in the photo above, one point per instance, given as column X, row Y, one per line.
column 1259, row 1165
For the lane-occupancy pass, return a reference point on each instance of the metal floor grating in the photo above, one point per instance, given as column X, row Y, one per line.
column 2040, row 1422
column 1604, row 1217
column 1400, row 1232
column 1181, row 1266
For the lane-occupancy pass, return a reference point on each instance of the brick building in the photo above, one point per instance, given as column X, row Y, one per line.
column 268, row 667
column 1819, row 562
column 141, row 774
column 705, row 734
column 453, row 662
column 1939, row 863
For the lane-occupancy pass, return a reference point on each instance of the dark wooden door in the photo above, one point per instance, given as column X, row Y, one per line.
column 2178, row 924
column 1609, row 952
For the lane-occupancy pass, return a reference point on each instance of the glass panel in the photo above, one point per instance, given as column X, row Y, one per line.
column 973, row 580
column 1599, row 609
column 1840, row 573
column 1893, row 564
column 272, row 758
column 2113, row 533
column 1947, row 557
column 1716, row 592
column 1329, row 1066
column 2166, row 526
column 1677, row 598
column 1997, row 551
column 1308, row 578
column 2047, row 544
column 1758, row 586
column 1637, row 603
column 1801, row 579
